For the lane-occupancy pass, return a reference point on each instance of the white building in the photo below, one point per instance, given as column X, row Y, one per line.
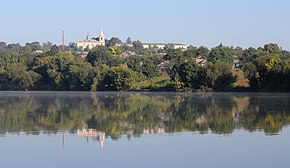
column 91, row 43
column 162, row 45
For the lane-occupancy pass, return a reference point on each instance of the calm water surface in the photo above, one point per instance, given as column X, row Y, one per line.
column 75, row 129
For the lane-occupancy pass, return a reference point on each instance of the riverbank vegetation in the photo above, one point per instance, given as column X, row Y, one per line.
column 123, row 68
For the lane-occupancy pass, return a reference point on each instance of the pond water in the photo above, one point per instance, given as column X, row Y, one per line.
column 107, row 129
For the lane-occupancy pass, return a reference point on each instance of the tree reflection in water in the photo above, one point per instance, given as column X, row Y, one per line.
column 108, row 114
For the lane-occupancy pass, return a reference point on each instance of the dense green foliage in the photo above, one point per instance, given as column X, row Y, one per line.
column 120, row 79
column 268, row 68
column 132, row 67
column 222, row 54
column 147, row 65
column 189, row 75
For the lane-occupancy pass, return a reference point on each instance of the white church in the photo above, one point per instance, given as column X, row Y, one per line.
column 91, row 43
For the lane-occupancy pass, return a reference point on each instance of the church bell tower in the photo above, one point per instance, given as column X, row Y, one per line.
column 102, row 38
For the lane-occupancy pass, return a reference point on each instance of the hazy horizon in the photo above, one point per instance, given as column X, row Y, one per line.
column 243, row 23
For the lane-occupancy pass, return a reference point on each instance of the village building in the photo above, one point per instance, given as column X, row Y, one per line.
column 161, row 45
column 201, row 61
column 92, row 43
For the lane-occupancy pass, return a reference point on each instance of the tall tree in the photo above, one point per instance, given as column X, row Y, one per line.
column 99, row 55
column 129, row 40
column 114, row 41
column 189, row 75
column 120, row 79
column 222, row 54
column 138, row 47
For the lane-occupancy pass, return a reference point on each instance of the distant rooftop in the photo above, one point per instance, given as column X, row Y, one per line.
column 89, row 41
column 163, row 44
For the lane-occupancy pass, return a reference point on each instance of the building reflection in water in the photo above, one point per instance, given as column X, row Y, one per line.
column 154, row 131
column 92, row 134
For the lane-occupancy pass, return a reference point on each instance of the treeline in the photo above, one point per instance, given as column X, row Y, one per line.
column 123, row 68
column 112, row 114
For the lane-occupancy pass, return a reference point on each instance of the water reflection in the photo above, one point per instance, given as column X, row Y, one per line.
column 96, row 116
column 92, row 134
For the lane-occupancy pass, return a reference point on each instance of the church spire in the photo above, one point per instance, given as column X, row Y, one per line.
column 102, row 39
column 88, row 36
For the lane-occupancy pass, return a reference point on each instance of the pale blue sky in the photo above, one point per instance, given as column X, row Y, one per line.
column 198, row 22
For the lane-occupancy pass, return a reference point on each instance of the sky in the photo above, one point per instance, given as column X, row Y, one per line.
column 245, row 23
